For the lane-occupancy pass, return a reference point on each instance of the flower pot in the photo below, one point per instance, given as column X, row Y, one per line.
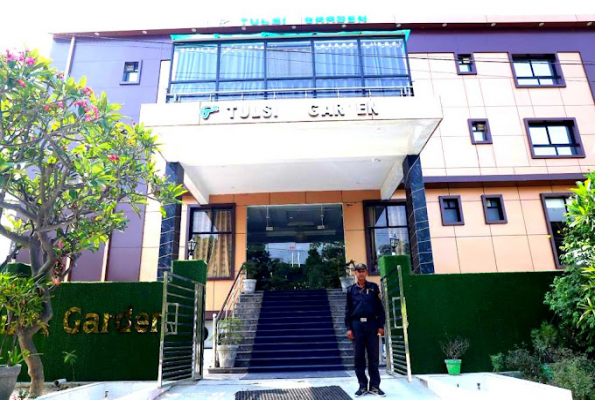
column 227, row 355
column 8, row 380
column 249, row 286
column 453, row 367
column 346, row 281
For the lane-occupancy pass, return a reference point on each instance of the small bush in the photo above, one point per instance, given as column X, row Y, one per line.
column 577, row 374
column 528, row 364
column 545, row 341
column 498, row 362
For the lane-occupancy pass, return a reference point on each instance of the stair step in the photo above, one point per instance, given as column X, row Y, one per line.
column 258, row 354
column 296, row 361
column 289, row 368
column 293, row 338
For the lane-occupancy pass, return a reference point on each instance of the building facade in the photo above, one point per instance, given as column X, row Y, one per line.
column 454, row 142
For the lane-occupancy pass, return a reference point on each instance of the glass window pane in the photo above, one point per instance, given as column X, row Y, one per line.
column 247, row 89
column 464, row 68
column 544, row 151
column 479, row 136
column 377, row 216
column 388, row 86
column 384, row 57
column 546, row 82
column 391, row 241
column 215, row 250
column 222, row 220
column 339, row 85
column 522, row 69
column 493, row 214
column 538, row 135
column 397, row 216
column 202, row 221
column 242, row 61
column 206, row 87
column 528, row 82
column 336, row 58
column 542, row 68
column 287, row 85
column 194, row 63
column 566, row 151
column 556, row 208
column 559, row 135
column 289, row 59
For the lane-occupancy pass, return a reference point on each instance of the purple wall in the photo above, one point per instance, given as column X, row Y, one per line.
column 102, row 62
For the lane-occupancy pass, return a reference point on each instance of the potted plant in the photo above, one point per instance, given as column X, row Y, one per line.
column 251, row 270
column 21, row 306
column 346, row 277
column 454, row 349
column 228, row 340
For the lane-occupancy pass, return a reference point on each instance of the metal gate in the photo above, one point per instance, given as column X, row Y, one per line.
column 398, row 359
column 182, row 329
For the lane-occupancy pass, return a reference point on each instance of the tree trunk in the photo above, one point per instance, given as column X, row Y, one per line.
column 33, row 363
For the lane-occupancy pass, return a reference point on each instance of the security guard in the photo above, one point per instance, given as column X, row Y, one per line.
column 364, row 321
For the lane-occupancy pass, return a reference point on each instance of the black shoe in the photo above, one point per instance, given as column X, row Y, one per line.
column 361, row 391
column 377, row 392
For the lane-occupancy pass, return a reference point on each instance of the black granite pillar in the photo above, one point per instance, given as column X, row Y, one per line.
column 417, row 217
column 169, row 243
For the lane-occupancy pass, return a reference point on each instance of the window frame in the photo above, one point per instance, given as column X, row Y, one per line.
column 473, row 70
column 488, row 133
column 554, row 62
column 368, row 230
column 484, row 200
column 573, row 128
column 361, row 76
column 189, row 232
column 140, row 67
column 442, row 200
column 544, row 197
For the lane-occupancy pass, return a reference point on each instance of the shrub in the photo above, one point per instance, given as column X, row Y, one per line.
column 528, row 364
column 576, row 373
column 498, row 362
column 545, row 341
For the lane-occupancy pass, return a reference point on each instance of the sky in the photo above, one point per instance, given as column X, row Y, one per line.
column 29, row 22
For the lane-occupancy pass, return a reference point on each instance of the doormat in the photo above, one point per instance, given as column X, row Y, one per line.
column 251, row 376
column 313, row 393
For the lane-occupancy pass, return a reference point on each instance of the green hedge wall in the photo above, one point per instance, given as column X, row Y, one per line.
column 494, row 311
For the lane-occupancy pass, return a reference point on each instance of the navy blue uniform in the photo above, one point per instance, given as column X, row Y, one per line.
column 364, row 315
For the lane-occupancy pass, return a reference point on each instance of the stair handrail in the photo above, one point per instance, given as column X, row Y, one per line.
column 228, row 309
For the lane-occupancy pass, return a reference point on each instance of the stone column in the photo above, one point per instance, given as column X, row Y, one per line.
column 169, row 242
column 417, row 217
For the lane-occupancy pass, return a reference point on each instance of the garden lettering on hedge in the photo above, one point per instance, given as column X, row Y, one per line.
column 123, row 322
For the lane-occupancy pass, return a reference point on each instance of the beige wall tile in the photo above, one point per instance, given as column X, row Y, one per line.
column 210, row 297
column 399, row 194
column 240, row 250
column 148, row 264
column 420, row 66
column 533, row 192
column 497, row 92
column 432, row 194
column 152, row 229
column 493, row 64
column 512, row 253
column 516, row 221
column 220, row 198
column 545, row 97
column 432, row 156
column 486, row 156
column 571, row 64
column 454, row 122
column 561, row 162
column 541, row 253
column 476, row 254
column 504, row 121
column 467, row 194
column 549, row 111
column 525, row 112
column 251, row 199
column 510, row 151
column 585, row 118
column 463, row 171
column 508, row 193
column 473, row 91
column 459, row 152
column 355, row 246
column 423, row 87
column 451, row 91
column 564, row 170
column 437, row 230
column 522, row 97
column 359, row 195
column 241, row 219
column 562, row 188
column 577, row 93
column 353, row 216
column 530, row 170
column 442, row 65
column 434, row 171
column 288, row 198
column 489, row 171
column 323, row 197
column 534, row 216
column 589, row 146
column 474, row 220
column 587, row 168
column 220, row 291
column 446, row 259
column 477, row 112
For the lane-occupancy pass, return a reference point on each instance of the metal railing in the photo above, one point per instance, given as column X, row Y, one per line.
column 181, row 348
column 228, row 309
column 398, row 357
column 271, row 94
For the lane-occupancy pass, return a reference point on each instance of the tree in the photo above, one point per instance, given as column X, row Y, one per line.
column 572, row 297
column 66, row 162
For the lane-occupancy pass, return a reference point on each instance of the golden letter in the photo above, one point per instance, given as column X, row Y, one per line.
column 142, row 322
column 154, row 322
column 77, row 323
column 126, row 316
column 106, row 317
column 91, row 324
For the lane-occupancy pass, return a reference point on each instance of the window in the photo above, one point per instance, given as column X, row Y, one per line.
column 465, row 64
column 386, row 231
column 287, row 68
column 479, row 129
column 555, row 206
column 450, row 208
column 131, row 72
column 536, row 70
column 493, row 209
column 555, row 138
column 211, row 233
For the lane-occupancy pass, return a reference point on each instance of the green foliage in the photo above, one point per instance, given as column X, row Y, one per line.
column 228, row 331
column 16, row 357
column 575, row 373
column 545, row 341
column 70, row 358
column 20, row 301
column 528, row 364
column 251, row 269
column 498, row 362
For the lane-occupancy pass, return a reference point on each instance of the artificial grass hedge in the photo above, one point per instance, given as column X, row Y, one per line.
column 495, row 311
column 113, row 355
